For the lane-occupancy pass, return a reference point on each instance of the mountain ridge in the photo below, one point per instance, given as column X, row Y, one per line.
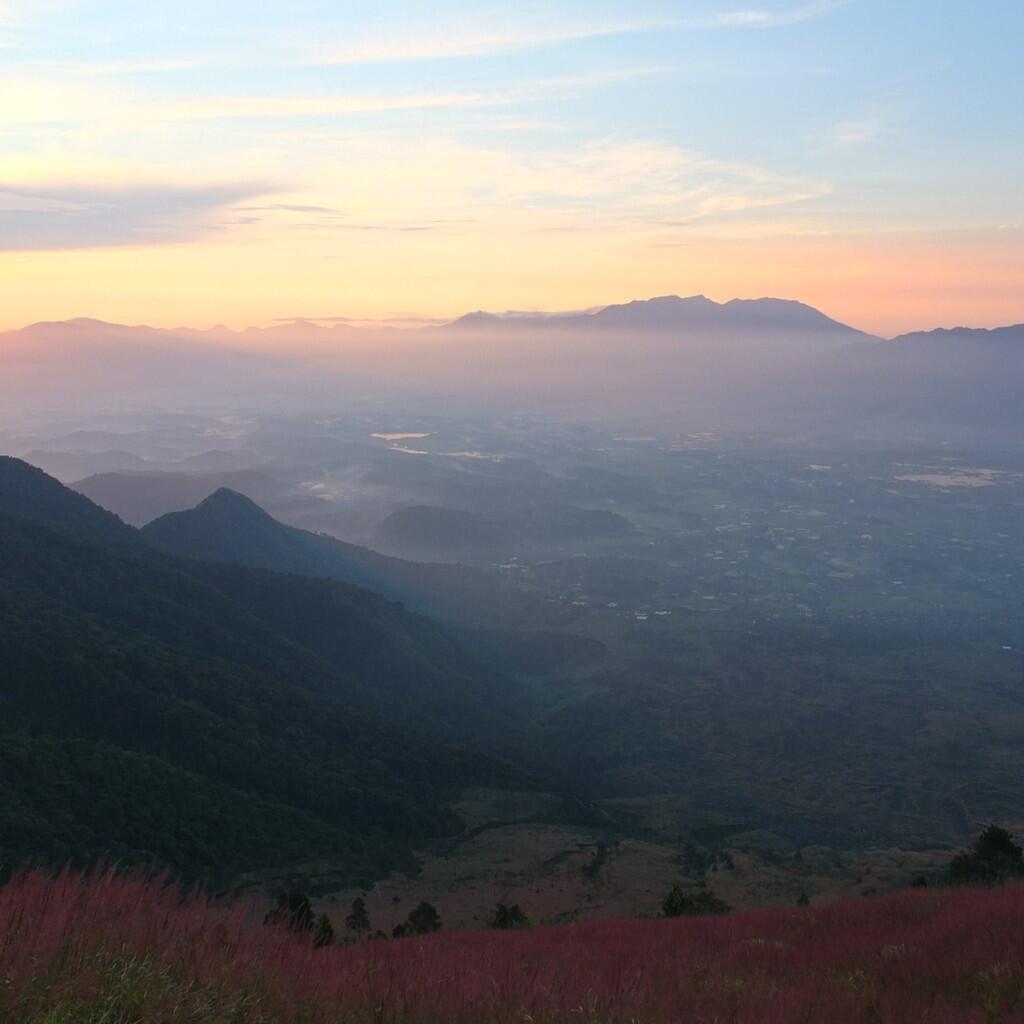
column 215, row 718
column 230, row 527
column 592, row 315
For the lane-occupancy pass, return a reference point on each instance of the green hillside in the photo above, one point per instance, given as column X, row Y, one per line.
column 219, row 719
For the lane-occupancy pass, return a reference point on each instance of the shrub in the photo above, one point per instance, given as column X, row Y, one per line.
column 994, row 859
column 694, row 903
column 508, row 918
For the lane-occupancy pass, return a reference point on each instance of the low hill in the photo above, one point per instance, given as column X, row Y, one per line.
column 219, row 719
column 140, row 497
column 228, row 527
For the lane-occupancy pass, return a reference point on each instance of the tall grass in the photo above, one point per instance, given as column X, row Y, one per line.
column 104, row 949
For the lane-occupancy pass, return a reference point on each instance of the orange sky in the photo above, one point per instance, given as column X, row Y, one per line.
column 189, row 164
column 885, row 285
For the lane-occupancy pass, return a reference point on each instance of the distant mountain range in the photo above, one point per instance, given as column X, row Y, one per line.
column 673, row 313
column 744, row 357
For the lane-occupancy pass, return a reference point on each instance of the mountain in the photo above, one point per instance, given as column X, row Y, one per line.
column 977, row 336
column 961, row 383
column 696, row 314
column 754, row 363
column 141, row 497
column 217, row 718
column 228, row 527
column 702, row 314
column 28, row 493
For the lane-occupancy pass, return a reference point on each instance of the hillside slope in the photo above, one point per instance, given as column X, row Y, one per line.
column 218, row 719
column 228, row 527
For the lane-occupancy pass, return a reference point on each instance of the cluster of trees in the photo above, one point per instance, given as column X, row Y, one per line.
column 699, row 902
column 293, row 910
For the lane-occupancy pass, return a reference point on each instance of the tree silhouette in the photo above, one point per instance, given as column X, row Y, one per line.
column 508, row 918
column 358, row 920
column 995, row 858
column 423, row 920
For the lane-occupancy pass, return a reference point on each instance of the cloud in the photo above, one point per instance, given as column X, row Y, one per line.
column 61, row 217
column 155, row 65
column 324, row 105
column 42, row 103
column 762, row 18
column 860, row 131
column 428, row 43
column 608, row 184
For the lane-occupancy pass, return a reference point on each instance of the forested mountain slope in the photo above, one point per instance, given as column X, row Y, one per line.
column 217, row 719
column 229, row 527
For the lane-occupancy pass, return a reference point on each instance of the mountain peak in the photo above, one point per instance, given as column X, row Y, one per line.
column 225, row 501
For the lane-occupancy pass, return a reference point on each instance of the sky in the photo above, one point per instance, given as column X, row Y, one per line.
column 191, row 162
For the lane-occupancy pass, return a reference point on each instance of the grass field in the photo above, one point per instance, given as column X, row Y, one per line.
column 104, row 949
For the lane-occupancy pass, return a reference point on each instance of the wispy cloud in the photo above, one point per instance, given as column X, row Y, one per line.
column 85, row 216
column 617, row 185
column 39, row 102
column 432, row 45
column 859, row 132
column 211, row 107
column 766, row 18
column 876, row 120
column 428, row 43
column 155, row 65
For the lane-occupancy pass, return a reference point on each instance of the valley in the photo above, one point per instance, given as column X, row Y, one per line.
column 805, row 654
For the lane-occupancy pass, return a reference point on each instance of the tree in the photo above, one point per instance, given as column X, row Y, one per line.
column 508, row 918
column 293, row 910
column 995, row 858
column 358, row 920
column 324, row 934
column 803, row 900
column 423, row 920
column 697, row 903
